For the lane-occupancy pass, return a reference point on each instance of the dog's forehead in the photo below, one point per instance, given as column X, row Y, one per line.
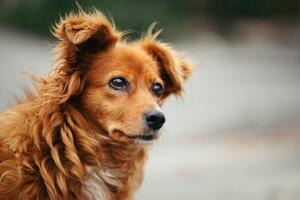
column 128, row 58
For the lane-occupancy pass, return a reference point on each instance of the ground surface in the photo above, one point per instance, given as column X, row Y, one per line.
column 235, row 134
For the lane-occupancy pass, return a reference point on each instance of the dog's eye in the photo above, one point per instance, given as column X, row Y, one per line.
column 157, row 89
column 118, row 83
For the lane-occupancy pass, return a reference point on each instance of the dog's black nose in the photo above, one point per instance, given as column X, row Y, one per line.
column 155, row 119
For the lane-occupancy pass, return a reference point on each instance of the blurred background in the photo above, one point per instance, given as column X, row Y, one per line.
column 235, row 135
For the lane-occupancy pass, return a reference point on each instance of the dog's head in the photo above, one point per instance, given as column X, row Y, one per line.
column 118, row 85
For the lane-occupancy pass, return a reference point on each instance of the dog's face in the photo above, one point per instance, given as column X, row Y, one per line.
column 124, row 84
column 123, row 93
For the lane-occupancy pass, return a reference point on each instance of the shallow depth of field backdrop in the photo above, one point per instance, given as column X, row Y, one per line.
column 235, row 135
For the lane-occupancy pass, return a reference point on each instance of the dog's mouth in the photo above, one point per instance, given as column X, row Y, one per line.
column 143, row 137
column 121, row 136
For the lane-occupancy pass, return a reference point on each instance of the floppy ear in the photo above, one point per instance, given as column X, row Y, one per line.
column 84, row 33
column 174, row 69
column 80, row 36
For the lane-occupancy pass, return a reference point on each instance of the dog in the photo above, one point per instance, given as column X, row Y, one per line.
column 82, row 132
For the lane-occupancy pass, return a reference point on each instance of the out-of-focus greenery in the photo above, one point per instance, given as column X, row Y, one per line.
column 39, row 15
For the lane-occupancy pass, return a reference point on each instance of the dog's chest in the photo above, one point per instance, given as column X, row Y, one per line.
column 100, row 181
column 118, row 179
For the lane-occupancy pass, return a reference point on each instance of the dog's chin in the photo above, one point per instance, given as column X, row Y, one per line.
column 144, row 139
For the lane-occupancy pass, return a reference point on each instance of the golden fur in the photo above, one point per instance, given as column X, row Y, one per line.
column 72, row 137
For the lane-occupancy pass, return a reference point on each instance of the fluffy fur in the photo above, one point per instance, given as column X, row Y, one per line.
column 74, row 137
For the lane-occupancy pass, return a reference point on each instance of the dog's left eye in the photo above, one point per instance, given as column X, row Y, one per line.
column 118, row 83
column 157, row 89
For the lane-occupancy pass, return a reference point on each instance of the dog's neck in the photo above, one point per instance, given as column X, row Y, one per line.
column 119, row 174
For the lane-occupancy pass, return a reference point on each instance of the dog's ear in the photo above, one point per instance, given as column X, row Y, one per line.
column 174, row 69
column 84, row 34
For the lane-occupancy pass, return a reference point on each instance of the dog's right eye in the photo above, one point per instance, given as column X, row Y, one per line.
column 118, row 83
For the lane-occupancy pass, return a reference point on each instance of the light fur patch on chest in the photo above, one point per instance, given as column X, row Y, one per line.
column 97, row 185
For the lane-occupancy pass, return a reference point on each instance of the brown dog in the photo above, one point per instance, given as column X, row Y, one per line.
column 81, row 134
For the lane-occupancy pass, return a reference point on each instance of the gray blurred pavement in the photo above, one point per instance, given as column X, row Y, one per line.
column 234, row 135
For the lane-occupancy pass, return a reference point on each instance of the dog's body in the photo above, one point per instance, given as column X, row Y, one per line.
column 80, row 135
